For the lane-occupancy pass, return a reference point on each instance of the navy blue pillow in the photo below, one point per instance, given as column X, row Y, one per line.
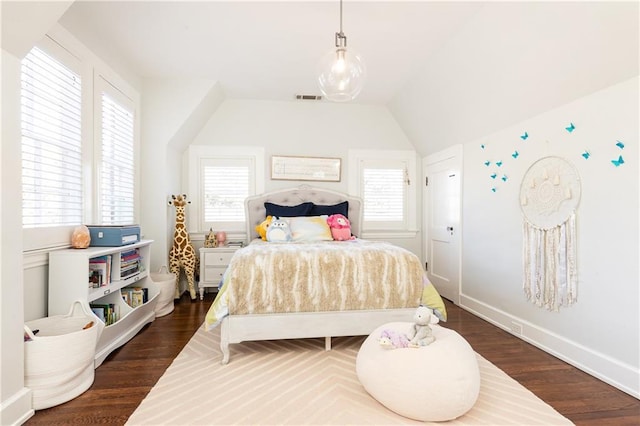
column 288, row 211
column 340, row 208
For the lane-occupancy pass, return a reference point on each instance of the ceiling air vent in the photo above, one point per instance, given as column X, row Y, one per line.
column 309, row 97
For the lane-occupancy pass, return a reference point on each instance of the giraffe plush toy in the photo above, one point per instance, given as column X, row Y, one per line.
column 183, row 254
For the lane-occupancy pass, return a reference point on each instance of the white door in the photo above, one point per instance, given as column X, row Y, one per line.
column 442, row 203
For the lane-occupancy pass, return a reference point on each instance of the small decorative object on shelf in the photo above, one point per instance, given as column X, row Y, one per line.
column 80, row 238
column 211, row 241
column 221, row 237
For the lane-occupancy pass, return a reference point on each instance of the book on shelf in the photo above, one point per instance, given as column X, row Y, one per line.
column 130, row 262
column 99, row 271
column 126, row 296
column 128, row 255
column 135, row 296
column 109, row 313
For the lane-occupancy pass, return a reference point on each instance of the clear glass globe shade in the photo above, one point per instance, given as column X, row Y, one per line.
column 341, row 75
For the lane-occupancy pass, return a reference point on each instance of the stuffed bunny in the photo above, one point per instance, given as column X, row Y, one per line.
column 420, row 333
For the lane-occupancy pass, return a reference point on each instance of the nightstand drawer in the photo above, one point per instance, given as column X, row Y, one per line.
column 221, row 258
column 213, row 263
column 214, row 273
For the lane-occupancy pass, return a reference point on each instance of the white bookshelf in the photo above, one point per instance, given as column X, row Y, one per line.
column 69, row 281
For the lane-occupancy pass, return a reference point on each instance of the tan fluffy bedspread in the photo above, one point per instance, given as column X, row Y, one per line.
column 323, row 276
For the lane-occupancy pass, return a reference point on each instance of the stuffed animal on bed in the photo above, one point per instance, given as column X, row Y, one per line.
column 261, row 228
column 340, row 227
column 391, row 339
column 420, row 333
column 278, row 231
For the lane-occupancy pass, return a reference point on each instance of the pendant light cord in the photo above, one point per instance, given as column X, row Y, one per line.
column 341, row 39
column 340, row 16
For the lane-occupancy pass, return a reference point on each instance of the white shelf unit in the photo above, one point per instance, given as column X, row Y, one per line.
column 69, row 281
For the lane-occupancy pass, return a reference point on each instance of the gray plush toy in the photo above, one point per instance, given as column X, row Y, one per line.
column 278, row 231
column 420, row 333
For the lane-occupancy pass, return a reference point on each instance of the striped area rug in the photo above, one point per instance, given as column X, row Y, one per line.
column 296, row 382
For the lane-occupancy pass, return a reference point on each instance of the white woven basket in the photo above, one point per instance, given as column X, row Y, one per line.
column 166, row 281
column 59, row 359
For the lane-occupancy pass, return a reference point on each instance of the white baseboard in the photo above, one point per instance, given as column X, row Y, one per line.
column 17, row 409
column 618, row 374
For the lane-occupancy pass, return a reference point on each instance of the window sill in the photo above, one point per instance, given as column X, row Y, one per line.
column 389, row 234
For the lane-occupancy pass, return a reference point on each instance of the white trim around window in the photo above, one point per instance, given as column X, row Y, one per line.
column 200, row 156
column 399, row 166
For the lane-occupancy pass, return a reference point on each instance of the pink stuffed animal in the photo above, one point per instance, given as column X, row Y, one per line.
column 340, row 227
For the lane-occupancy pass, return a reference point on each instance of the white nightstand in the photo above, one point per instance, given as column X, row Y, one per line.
column 213, row 263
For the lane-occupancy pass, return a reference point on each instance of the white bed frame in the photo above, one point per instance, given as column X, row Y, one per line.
column 241, row 328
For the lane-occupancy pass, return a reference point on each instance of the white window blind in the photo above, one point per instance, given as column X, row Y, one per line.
column 385, row 180
column 383, row 194
column 117, row 163
column 225, row 184
column 51, row 143
column 220, row 178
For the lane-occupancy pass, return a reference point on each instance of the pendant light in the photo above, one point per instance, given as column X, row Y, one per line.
column 341, row 71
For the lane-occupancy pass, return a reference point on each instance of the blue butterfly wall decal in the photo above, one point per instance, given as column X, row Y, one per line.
column 493, row 189
column 482, row 146
column 570, row 128
column 486, row 163
column 618, row 162
column 515, row 154
column 493, row 175
column 586, row 155
column 524, row 136
column 619, row 144
column 498, row 163
column 504, row 178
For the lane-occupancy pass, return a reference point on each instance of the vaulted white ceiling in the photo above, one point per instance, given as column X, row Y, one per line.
column 449, row 71
column 267, row 49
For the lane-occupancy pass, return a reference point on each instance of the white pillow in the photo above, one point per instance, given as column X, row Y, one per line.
column 309, row 228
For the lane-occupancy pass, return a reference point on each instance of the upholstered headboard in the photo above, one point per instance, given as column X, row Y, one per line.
column 256, row 212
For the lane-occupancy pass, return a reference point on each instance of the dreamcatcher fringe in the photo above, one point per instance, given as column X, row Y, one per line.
column 549, row 260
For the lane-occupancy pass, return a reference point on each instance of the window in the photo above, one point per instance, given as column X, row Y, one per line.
column 80, row 143
column 385, row 182
column 383, row 192
column 220, row 179
column 51, row 142
column 225, row 185
column 117, row 158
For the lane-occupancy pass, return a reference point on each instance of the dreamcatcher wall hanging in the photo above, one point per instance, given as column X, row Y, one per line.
column 549, row 197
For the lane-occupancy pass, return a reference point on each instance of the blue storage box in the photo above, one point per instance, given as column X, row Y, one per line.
column 114, row 236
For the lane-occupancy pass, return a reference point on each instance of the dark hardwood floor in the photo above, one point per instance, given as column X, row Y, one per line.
column 130, row 372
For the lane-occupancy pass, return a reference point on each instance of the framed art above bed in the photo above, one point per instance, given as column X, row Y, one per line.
column 305, row 168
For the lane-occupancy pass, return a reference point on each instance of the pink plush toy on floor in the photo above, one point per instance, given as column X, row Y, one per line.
column 340, row 227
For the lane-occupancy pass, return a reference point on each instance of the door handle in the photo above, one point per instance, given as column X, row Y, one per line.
column 450, row 228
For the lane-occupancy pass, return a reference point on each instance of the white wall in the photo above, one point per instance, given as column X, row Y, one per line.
column 307, row 128
column 514, row 60
column 15, row 399
column 600, row 332
column 168, row 125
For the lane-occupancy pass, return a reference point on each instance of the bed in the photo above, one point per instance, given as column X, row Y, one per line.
column 310, row 288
